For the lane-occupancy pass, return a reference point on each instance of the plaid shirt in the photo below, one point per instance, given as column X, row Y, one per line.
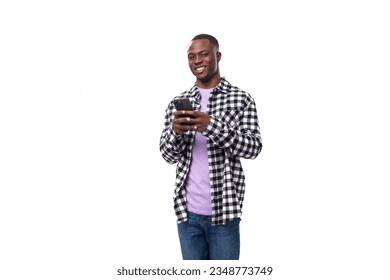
column 233, row 133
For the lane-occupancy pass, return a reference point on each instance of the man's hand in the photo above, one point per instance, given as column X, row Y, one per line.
column 190, row 120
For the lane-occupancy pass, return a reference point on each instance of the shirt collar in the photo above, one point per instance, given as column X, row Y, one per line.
column 222, row 87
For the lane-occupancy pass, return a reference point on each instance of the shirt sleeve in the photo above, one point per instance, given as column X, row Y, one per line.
column 237, row 132
column 171, row 144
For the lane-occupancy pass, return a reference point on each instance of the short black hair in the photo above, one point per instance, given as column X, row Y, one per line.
column 211, row 38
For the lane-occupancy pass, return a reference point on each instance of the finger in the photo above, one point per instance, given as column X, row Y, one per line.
column 177, row 114
column 189, row 127
column 187, row 121
column 190, row 113
column 184, row 126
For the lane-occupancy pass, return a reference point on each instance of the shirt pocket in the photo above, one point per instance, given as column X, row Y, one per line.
column 229, row 117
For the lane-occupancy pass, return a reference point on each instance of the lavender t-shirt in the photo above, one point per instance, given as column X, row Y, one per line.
column 198, row 180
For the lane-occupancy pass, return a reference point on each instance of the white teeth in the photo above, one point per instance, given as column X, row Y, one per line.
column 199, row 69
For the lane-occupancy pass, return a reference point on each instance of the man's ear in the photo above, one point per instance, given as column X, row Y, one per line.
column 219, row 54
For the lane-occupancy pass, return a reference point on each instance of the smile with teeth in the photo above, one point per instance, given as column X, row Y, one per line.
column 200, row 69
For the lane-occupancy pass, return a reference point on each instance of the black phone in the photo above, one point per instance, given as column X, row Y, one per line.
column 183, row 104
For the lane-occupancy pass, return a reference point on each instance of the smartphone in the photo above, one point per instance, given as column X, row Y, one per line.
column 183, row 104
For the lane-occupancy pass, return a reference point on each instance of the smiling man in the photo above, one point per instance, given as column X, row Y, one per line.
column 207, row 144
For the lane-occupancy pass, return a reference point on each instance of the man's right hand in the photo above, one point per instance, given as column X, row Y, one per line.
column 182, row 123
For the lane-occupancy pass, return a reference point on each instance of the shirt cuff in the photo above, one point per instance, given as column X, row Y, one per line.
column 173, row 137
column 214, row 128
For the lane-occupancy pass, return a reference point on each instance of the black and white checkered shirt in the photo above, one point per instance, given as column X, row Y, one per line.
column 233, row 133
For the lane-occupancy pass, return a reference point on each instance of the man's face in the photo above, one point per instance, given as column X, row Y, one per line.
column 203, row 59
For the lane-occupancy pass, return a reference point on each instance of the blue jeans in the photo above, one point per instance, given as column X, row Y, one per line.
column 199, row 240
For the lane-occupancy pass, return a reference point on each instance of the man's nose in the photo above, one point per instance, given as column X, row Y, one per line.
column 198, row 59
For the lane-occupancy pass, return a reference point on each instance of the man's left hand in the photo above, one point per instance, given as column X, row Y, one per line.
column 199, row 120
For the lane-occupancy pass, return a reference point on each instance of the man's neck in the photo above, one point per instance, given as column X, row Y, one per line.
column 211, row 83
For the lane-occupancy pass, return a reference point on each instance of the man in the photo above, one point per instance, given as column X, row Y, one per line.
column 207, row 144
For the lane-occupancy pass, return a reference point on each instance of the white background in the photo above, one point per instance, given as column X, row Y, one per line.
column 83, row 89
